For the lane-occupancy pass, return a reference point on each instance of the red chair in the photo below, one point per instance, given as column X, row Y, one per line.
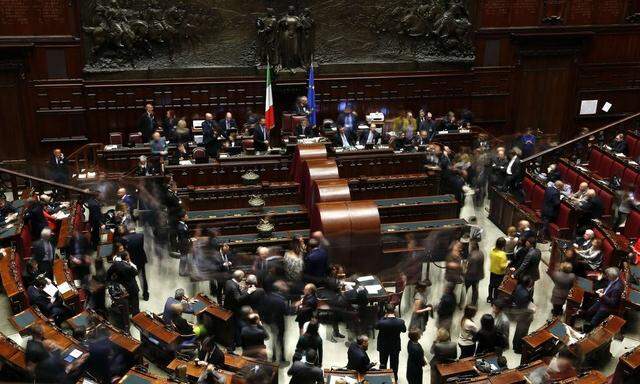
column 537, row 198
column 560, row 227
column 635, row 151
column 200, row 155
column 617, row 169
column 629, row 177
column 607, row 201
column 631, row 143
column 115, row 138
column 632, row 227
column 594, row 159
column 562, row 169
column 571, row 178
column 135, row 138
column 604, row 169
column 527, row 187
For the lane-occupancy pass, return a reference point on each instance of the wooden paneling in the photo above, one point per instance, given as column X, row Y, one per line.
column 12, row 125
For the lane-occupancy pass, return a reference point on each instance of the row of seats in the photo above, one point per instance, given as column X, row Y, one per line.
column 606, row 167
column 534, row 196
column 573, row 178
column 633, row 145
column 632, row 227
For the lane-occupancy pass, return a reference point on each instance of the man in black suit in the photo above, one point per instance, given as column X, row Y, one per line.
column 273, row 313
column 6, row 208
column 34, row 216
column 304, row 129
column 608, row 298
column 550, row 206
column 235, row 297
column 209, row 135
column 591, row 209
column 95, row 220
column 421, row 139
column 349, row 120
column 261, row 136
column 302, row 106
column 306, row 372
column 44, row 253
column 342, row 138
column 524, row 230
column 227, row 124
column 530, row 265
column 124, row 272
column 253, row 336
column 619, row 145
column 316, row 262
column 514, row 174
column 222, row 261
column 41, row 300
column 134, row 244
column 358, row 360
column 147, row 123
column 390, row 327
column 426, row 123
column 59, row 167
column 370, row 137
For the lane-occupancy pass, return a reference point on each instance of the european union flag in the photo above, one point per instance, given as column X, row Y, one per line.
column 311, row 97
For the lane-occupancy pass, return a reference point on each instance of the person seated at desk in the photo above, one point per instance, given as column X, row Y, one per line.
column 561, row 365
column 591, row 209
column 6, row 208
column 227, row 125
column 608, row 299
column 158, row 144
column 178, row 298
column 581, row 194
column 619, row 145
column 304, row 129
column 261, row 136
column 343, row 138
column 449, row 123
column 210, row 352
column 35, row 217
column 302, row 106
column 45, row 362
column 233, row 144
column 305, row 371
column 210, row 376
column 144, row 168
column 182, row 326
column 357, row 357
column 179, row 154
column 553, row 174
column 50, row 306
column 591, row 258
column 370, row 137
column 421, row 139
column 253, row 336
column 183, row 133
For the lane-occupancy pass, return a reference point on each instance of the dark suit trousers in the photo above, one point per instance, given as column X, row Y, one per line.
column 599, row 314
column 46, row 267
column 393, row 357
column 143, row 278
column 278, row 340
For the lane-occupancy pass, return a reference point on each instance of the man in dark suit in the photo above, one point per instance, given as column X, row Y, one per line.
column 316, row 262
column 234, row 298
column 370, row 136
column 143, row 168
column 426, row 123
column 95, row 220
column 306, row 372
column 349, row 120
column 304, row 129
column 608, row 298
column 421, row 139
column 591, row 209
column 358, row 360
column 6, row 208
column 59, row 167
column 273, row 314
column 41, row 300
column 302, row 106
column 390, row 328
column 514, row 174
column 147, row 123
column 261, row 136
column 34, row 216
column 134, row 244
column 342, row 138
column 619, row 145
column 227, row 124
column 44, row 253
column 209, row 135
column 550, row 206
column 127, row 199
column 222, row 262
column 252, row 336
column 124, row 272
column 530, row 265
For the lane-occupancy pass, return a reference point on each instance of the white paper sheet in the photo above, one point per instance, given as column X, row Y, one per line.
column 607, row 106
column 362, row 279
column 75, row 353
column 64, row 288
column 373, row 289
column 588, row 107
column 51, row 290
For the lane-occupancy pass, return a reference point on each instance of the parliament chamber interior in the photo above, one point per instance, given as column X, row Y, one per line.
column 339, row 192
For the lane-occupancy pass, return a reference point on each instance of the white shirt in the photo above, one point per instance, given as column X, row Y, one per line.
column 513, row 160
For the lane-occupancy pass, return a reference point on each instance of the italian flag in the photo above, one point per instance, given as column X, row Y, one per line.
column 268, row 102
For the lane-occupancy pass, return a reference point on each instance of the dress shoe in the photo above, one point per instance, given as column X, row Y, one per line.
column 338, row 335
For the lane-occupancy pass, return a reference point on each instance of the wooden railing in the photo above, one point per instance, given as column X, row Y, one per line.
column 602, row 134
column 85, row 157
column 38, row 183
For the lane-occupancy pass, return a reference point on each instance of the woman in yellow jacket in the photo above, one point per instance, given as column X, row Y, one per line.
column 498, row 267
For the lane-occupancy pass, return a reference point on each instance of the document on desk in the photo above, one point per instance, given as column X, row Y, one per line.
column 364, row 279
column 373, row 289
column 64, row 288
column 51, row 290
column 346, row 379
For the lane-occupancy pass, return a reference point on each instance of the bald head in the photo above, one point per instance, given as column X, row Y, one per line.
column 238, row 275
column 583, row 186
column 591, row 193
column 263, row 252
column 208, row 116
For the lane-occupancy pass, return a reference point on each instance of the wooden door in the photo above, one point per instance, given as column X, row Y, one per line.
column 12, row 138
column 544, row 95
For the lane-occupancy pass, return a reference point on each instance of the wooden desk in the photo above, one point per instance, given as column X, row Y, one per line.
column 461, row 367
column 420, row 208
column 23, row 320
column 12, row 280
column 628, row 366
column 137, row 377
column 591, row 377
column 215, row 317
column 63, row 278
column 542, row 342
column 235, row 363
column 13, row 364
column 395, row 186
column 118, row 337
column 194, row 370
column 599, row 338
column 383, row 376
column 159, row 344
column 346, row 373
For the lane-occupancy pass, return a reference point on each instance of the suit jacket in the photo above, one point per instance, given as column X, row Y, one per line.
column 530, row 265
column 419, row 140
column 302, row 110
column 40, row 299
column 130, row 201
column 59, row 169
column 260, row 135
column 516, row 169
column 619, row 147
column 208, row 131
column 611, row 299
column 550, row 203
column 223, row 126
column 337, row 139
column 316, row 262
column 274, row 309
column 475, row 266
column 305, row 373
column 563, row 282
column 306, row 131
column 354, row 119
column 390, row 329
column 134, row 243
column 146, row 126
column 38, row 251
column 6, row 211
column 365, row 135
column 253, row 336
column 358, row 359
column 125, row 275
column 234, row 298
column 444, row 352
